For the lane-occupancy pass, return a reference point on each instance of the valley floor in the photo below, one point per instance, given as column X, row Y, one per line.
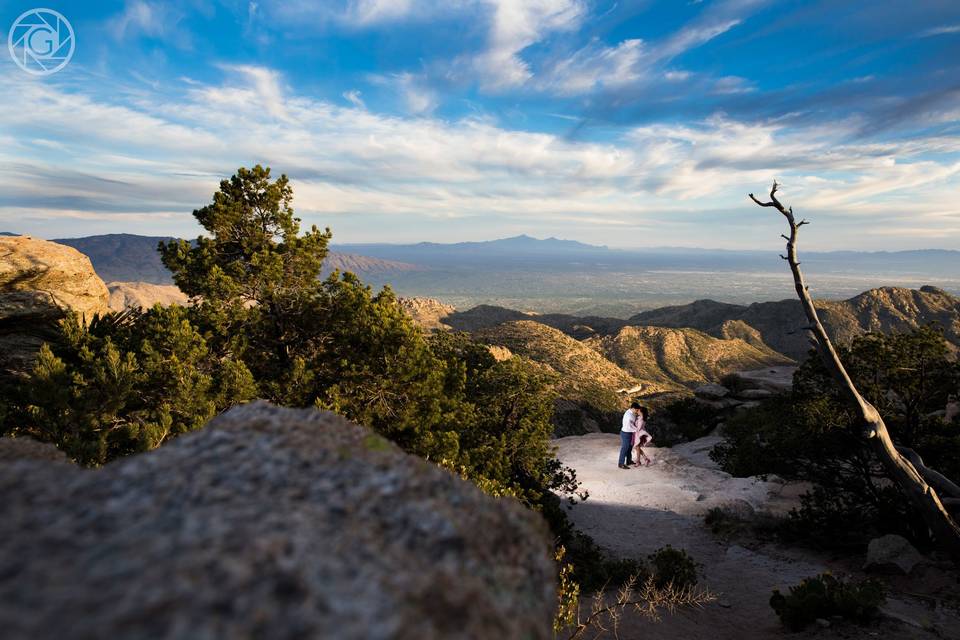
column 632, row 513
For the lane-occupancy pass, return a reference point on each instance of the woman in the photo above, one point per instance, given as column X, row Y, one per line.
column 642, row 437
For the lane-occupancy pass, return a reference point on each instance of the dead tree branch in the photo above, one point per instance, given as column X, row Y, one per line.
column 647, row 600
column 901, row 470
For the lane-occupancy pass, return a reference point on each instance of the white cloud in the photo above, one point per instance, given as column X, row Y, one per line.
column 262, row 86
column 417, row 98
column 517, row 24
column 941, row 31
column 373, row 11
column 160, row 157
column 353, row 97
column 597, row 67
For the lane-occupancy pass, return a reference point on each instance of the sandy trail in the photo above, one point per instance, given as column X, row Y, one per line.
column 636, row 511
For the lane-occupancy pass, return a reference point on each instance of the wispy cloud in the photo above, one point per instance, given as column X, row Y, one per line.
column 941, row 31
column 353, row 97
column 157, row 20
column 158, row 159
column 514, row 27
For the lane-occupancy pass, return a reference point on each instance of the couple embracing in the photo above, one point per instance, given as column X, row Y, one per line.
column 634, row 436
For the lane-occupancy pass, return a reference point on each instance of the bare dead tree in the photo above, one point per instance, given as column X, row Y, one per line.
column 917, row 482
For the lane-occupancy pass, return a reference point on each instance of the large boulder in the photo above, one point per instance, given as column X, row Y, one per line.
column 892, row 553
column 711, row 391
column 25, row 448
column 268, row 523
column 39, row 282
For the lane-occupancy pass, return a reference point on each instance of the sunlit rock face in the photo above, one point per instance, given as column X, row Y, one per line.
column 39, row 282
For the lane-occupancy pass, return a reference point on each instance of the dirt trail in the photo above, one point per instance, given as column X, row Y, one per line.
column 634, row 512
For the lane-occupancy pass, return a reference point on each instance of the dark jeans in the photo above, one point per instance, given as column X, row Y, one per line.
column 626, row 444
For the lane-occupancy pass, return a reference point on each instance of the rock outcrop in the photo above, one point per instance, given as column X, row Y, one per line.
column 143, row 295
column 427, row 312
column 39, row 282
column 268, row 523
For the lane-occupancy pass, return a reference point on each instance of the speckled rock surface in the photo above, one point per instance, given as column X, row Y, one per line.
column 23, row 448
column 269, row 523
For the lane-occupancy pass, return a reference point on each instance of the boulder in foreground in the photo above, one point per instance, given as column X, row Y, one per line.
column 273, row 523
column 892, row 553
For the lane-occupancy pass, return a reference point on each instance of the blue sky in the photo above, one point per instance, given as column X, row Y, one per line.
column 621, row 123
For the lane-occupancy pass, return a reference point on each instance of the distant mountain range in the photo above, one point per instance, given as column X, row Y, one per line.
column 574, row 278
column 131, row 258
column 524, row 249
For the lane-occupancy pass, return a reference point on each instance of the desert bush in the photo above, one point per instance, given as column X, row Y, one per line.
column 671, row 567
column 824, row 596
column 125, row 384
column 734, row 383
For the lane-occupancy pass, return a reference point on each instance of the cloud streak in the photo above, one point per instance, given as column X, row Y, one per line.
column 156, row 160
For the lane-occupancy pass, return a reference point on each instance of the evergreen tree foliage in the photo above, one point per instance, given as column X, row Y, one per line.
column 263, row 323
column 126, row 383
column 810, row 435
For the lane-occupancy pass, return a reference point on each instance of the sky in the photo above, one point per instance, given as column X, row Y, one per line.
column 623, row 123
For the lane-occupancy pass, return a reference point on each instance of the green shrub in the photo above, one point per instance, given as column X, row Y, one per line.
column 674, row 567
column 734, row 383
column 693, row 419
column 812, row 435
column 824, row 596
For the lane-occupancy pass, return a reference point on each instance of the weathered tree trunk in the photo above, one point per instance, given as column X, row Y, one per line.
column 908, row 477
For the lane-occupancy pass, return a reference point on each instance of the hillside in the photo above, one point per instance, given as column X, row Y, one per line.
column 583, row 369
column 679, row 358
column 124, row 257
column 363, row 265
column 579, row 327
column 780, row 324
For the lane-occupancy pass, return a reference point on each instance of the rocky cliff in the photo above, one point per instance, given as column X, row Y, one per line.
column 430, row 314
column 39, row 282
column 268, row 523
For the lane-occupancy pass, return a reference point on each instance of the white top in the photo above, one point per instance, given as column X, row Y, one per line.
column 630, row 421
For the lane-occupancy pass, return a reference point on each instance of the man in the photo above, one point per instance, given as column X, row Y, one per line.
column 626, row 435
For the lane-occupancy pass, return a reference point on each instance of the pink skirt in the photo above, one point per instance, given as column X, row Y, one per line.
column 642, row 438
